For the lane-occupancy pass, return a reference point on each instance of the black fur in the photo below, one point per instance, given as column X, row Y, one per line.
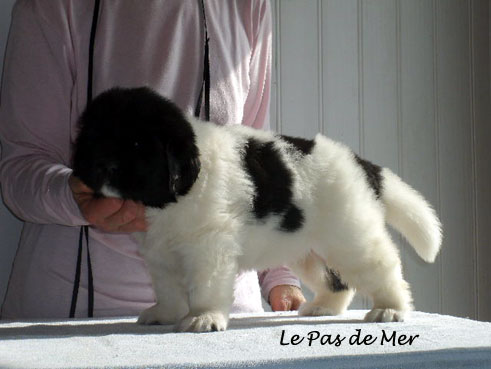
column 373, row 174
column 334, row 282
column 138, row 143
column 273, row 182
column 301, row 144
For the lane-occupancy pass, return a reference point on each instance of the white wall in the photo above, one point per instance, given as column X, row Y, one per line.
column 406, row 84
column 9, row 226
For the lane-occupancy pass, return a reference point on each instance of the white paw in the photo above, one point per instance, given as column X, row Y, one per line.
column 312, row 309
column 206, row 322
column 155, row 315
column 384, row 315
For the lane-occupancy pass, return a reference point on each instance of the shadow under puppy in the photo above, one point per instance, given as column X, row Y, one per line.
column 221, row 199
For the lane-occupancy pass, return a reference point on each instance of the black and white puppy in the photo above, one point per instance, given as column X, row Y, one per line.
column 221, row 199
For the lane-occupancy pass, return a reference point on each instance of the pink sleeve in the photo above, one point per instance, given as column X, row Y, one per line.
column 270, row 278
column 256, row 107
column 35, row 116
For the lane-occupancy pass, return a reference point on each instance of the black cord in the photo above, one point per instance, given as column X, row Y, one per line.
column 76, row 282
column 90, row 277
column 95, row 17
column 205, row 85
column 84, row 230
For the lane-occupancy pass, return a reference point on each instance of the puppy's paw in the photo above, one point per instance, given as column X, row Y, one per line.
column 210, row 321
column 384, row 315
column 313, row 309
column 155, row 315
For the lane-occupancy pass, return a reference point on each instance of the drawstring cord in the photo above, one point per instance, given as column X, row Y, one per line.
column 84, row 230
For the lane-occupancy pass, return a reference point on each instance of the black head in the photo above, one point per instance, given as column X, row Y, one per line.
column 138, row 143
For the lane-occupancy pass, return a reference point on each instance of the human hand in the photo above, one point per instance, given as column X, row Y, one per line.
column 285, row 298
column 108, row 214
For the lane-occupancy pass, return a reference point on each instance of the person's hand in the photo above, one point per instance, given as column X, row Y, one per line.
column 108, row 214
column 285, row 298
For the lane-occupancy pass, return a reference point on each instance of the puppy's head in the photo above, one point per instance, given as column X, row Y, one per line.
column 138, row 144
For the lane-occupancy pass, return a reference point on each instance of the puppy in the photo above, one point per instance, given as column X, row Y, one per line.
column 221, row 199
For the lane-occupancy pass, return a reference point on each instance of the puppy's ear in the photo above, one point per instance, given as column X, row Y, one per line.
column 184, row 165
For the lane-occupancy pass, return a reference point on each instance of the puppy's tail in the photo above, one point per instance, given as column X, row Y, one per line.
column 409, row 213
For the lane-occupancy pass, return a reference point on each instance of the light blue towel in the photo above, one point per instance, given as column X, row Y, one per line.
column 252, row 341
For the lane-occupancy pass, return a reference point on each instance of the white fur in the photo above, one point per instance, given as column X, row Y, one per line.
column 410, row 214
column 109, row 191
column 195, row 247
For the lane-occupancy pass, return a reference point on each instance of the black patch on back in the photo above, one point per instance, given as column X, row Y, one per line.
column 334, row 281
column 301, row 144
column 292, row 219
column 273, row 182
column 373, row 174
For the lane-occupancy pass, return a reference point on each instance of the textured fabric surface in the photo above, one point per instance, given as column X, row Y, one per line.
column 252, row 340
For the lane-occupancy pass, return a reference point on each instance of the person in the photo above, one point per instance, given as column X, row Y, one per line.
column 157, row 43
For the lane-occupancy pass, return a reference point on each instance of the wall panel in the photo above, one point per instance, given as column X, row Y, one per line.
column 379, row 73
column 341, row 63
column 455, row 152
column 10, row 227
column 299, row 67
column 482, row 138
column 419, row 144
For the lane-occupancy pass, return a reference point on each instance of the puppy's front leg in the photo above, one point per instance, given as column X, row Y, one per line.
column 171, row 304
column 210, row 276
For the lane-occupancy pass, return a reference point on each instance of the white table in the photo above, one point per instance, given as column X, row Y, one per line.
column 252, row 341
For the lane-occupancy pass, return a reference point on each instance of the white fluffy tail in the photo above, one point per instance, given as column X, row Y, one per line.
column 409, row 213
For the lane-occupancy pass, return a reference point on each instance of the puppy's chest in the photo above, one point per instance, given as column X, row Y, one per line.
column 217, row 203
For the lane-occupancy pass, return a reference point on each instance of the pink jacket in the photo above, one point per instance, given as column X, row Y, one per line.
column 158, row 43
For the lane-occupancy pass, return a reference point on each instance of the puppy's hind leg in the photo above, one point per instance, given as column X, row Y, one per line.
column 375, row 270
column 391, row 294
column 332, row 296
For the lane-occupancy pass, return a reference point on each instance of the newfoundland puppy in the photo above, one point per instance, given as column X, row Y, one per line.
column 221, row 199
